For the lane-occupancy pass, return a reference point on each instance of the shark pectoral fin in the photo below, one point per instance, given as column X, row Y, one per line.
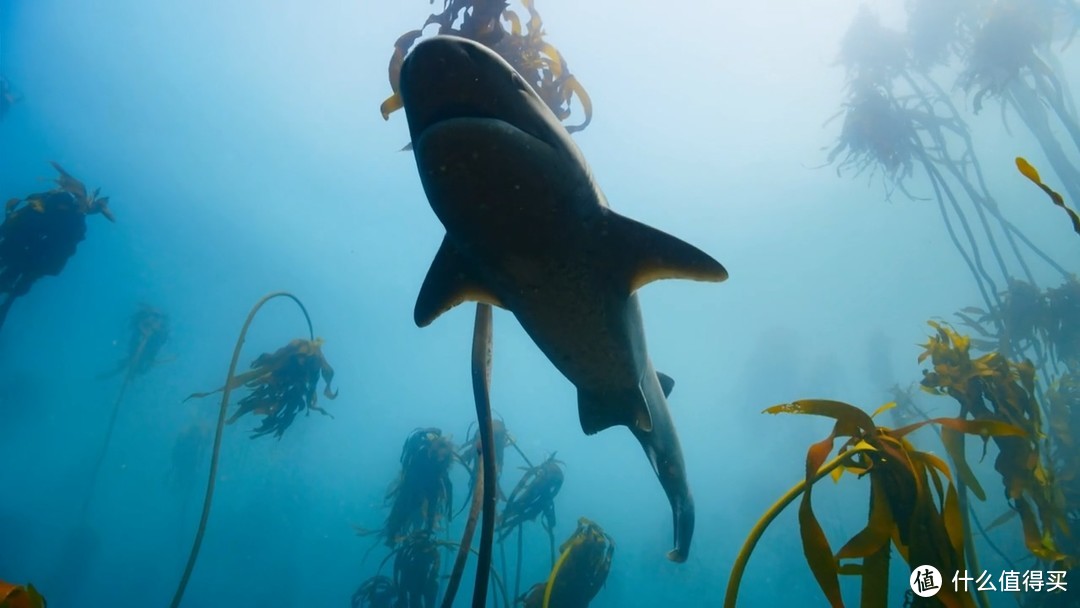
column 666, row 383
column 449, row 282
column 650, row 255
column 599, row 411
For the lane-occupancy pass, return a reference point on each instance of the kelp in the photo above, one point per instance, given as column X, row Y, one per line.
column 1003, row 48
column 1063, row 412
column 302, row 362
column 20, row 596
column 901, row 123
column 1044, row 324
column 376, row 592
column 1029, row 172
column 416, row 570
column 533, row 496
column 470, row 453
column 914, row 504
column 580, row 572
column 423, row 493
column 521, row 43
column 281, row 385
column 41, row 232
column 1010, row 57
column 149, row 331
column 993, row 390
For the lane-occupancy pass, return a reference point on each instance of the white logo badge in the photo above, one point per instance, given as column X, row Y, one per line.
column 925, row 581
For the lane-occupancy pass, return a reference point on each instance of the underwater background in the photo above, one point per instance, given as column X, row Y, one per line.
column 243, row 152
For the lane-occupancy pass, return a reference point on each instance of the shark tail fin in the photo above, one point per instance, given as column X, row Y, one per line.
column 647, row 254
column 450, row 281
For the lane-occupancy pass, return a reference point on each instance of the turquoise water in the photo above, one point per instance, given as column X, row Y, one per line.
column 242, row 149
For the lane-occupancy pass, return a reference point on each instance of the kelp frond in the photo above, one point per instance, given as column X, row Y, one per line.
column 281, row 385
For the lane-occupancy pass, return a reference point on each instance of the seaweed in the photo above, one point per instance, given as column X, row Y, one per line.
column 521, row 43
column 41, row 232
column 281, row 385
column 149, row 332
column 423, row 493
column 376, row 592
column 914, row 504
column 285, row 381
column 580, row 572
column 992, row 389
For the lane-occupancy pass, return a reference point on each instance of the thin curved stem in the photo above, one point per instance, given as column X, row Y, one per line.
column 226, row 391
column 128, row 376
column 759, row 528
column 481, row 380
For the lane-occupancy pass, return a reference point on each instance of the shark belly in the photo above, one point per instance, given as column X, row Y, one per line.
column 528, row 230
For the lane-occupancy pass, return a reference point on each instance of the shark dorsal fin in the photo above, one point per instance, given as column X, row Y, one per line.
column 647, row 254
column 449, row 282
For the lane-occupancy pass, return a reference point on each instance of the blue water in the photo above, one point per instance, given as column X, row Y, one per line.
column 243, row 152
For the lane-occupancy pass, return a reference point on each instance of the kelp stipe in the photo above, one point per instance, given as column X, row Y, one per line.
column 481, row 380
column 231, row 381
column 149, row 332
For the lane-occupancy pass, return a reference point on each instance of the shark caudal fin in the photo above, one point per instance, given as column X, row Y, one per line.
column 450, row 281
column 603, row 410
column 646, row 254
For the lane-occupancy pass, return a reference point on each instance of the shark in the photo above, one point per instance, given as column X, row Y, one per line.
column 529, row 231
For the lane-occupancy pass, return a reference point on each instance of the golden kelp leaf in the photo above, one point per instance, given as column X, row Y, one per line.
column 982, row 428
column 1039, row 545
column 848, row 417
column 878, row 528
column 818, row 553
column 884, row 408
column 954, row 520
column 1027, row 170
column 954, row 445
column 390, row 105
column 573, row 87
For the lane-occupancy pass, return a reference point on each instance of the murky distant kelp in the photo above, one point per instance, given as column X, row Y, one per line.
column 149, row 331
column 40, row 233
column 898, row 119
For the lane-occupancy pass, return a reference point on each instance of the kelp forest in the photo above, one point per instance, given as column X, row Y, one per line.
column 971, row 465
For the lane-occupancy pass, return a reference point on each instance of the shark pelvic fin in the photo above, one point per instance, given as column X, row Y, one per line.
column 599, row 411
column 449, row 282
column 649, row 255
column 666, row 383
